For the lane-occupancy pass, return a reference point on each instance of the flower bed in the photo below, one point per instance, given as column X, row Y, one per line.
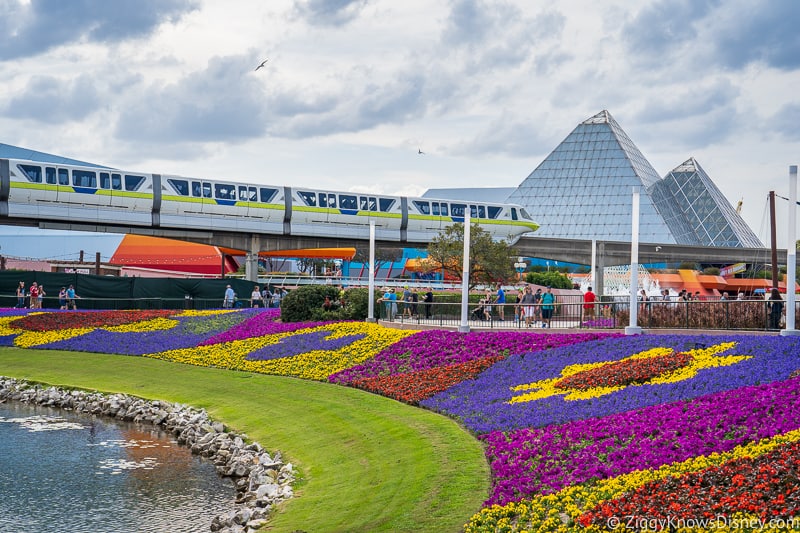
column 582, row 430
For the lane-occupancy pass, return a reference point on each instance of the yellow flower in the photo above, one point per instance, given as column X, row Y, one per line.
column 701, row 358
column 315, row 364
column 28, row 339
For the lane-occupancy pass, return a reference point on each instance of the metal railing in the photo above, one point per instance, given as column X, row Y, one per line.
column 571, row 313
column 50, row 303
column 568, row 313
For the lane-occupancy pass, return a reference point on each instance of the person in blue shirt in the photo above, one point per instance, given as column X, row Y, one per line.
column 548, row 306
column 71, row 298
column 230, row 296
column 501, row 303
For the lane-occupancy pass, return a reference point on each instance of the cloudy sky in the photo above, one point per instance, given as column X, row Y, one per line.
column 353, row 89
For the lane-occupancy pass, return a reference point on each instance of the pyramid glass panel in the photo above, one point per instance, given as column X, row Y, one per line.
column 593, row 200
column 583, row 190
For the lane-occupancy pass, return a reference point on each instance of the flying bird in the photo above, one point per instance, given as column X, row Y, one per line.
column 419, row 151
column 262, row 64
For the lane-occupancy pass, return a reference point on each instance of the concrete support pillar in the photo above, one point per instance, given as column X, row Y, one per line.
column 599, row 266
column 251, row 259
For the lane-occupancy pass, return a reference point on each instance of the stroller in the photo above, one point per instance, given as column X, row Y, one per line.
column 479, row 313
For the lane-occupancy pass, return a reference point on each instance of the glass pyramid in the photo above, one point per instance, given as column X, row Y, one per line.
column 712, row 219
column 583, row 190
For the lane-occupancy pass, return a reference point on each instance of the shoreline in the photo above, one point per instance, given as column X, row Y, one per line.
column 261, row 480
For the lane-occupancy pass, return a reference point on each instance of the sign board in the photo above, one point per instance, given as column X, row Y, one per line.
column 732, row 269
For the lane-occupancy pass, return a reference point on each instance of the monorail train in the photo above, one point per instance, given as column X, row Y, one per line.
column 99, row 195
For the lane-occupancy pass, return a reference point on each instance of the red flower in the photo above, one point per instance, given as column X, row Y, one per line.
column 622, row 373
column 94, row 319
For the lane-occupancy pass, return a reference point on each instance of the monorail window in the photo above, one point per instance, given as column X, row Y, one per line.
column 439, row 209
column 207, row 192
column 105, row 180
column 50, row 175
column 385, row 204
column 457, row 210
column 63, row 176
column 424, row 207
column 525, row 214
column 267, row 194
column 225, row 192
column 116, row 182
column 348, row 201
column 132, row 183
column 84, row 178
column 248, row 194
column 367, row 203
column 327, row 200
column 33, row 173
column 197, row 189
column 181, row 186
column 514, row 213
column 494, row 211
column 481, row 211
column 309, row 198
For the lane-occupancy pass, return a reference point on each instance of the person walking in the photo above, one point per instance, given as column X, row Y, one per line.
column 528, row 303
column 255, row 297
column 501, row 303
column 34, row 295
column 228, row 298
column 71, row 296
column 40, row 297
column 21, row 295
column 407, row 302
column 537, row 307
column 548, row 307
column 428, row 300
column 589, row 299
column 775, row 304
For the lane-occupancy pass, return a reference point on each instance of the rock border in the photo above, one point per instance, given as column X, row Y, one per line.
column 261, row 480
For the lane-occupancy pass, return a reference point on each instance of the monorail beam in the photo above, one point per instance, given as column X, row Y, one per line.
column 619, row 253
column 563, row 250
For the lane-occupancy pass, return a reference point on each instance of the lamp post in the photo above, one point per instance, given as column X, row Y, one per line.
column 520, row 265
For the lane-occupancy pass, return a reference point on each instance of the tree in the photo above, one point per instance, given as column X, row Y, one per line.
column 489, row 261
column 383, row 256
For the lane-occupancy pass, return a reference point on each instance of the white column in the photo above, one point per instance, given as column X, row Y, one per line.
column 632, row 328
column 371, row 296
column 464, row 327
column 593, row 266
column 791, row 255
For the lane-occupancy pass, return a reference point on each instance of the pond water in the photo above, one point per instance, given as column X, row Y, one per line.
column 72, row 472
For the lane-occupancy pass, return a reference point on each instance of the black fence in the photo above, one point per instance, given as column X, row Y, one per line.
column 609, row 313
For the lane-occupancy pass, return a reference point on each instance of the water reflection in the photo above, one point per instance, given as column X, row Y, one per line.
column 71, row 472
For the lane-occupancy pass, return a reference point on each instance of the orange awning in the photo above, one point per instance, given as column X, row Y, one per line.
column 168, row 254
column 313, row 253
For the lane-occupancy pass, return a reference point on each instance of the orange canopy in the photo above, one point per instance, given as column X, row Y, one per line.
column 167, row 254
column 313, row 253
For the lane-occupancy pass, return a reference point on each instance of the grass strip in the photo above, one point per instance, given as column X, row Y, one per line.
column 365, row 462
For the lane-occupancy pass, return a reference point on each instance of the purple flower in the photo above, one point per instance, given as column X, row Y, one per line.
column 190, row 331
column 436, row 348
column 302, row 343
column 482, row 404
column 263, row 323
column 526, row 462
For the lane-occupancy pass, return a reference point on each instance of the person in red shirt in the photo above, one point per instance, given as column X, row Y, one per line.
column 589, row 298
column 34, row 295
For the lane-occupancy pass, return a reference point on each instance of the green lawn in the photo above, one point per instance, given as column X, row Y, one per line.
column 365, row 462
